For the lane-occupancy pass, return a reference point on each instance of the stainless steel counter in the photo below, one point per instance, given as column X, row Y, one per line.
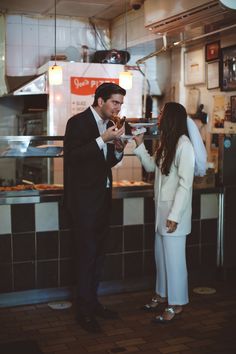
column 29, row 196
column 38, row 196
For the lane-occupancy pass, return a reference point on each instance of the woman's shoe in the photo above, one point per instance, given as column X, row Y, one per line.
column 156, row 301
column 162, row 320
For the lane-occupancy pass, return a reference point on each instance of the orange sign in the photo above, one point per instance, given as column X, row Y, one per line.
column 87, row 85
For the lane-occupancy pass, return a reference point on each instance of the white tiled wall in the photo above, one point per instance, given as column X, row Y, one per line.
column 5, row 219
column 209, row 206
column 129, row 168
column 30, row 40
column 46, row 216
column 133, row 211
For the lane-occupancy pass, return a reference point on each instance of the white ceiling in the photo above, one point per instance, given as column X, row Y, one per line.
column 101, row 9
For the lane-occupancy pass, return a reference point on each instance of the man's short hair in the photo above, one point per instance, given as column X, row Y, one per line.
column 106, row 90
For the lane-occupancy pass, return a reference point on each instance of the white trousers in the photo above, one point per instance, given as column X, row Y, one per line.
column 171, row 269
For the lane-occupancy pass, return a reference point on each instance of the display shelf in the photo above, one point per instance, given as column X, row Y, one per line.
column 31, row 146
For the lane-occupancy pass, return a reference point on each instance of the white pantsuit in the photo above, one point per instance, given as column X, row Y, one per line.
column 173, row 201
column 171, row 269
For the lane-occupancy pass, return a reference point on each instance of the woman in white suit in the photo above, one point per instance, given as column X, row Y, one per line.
column 173, row 163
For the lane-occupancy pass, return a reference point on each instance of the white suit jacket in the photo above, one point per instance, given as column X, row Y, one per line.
column 172, row 193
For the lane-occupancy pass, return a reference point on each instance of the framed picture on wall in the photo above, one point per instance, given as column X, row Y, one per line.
column 194, row 67
column 212, row 51
column 228, row 69
column 213, row 75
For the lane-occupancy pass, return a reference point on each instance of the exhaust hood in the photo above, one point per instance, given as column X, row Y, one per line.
column 190, row 18
column 36, row 86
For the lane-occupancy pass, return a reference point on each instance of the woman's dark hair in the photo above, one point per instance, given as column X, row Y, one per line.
column 173, row 124
column 106, row 90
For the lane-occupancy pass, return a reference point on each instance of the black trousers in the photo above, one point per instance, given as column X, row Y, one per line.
column 90, row 233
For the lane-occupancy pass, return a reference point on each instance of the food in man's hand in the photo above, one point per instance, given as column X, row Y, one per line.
column 118, row 121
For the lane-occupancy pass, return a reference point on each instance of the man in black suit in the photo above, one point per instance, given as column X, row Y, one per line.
column 88, row 159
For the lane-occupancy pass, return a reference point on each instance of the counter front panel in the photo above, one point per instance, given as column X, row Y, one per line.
column 36, row 246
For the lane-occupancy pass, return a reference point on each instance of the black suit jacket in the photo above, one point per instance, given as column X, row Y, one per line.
column 85, row 167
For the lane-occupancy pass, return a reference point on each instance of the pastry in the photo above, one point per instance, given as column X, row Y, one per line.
column 118, row 121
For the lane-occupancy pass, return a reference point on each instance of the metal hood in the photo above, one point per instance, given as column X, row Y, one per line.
column 191, row 18
column 35, row 86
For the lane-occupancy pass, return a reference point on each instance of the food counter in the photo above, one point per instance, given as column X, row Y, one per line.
column 33, row 193
column 36, row 263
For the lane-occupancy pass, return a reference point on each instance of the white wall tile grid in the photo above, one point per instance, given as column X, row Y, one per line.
column 5, row 219
column 30, row 40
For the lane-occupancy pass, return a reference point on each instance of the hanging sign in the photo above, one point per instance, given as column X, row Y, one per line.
column 84, row 86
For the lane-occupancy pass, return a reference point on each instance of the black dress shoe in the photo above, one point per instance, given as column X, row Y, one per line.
column 102, row 311
column 88, row 323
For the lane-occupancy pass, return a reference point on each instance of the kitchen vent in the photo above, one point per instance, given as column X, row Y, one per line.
column 170, row 16
column 34, row 87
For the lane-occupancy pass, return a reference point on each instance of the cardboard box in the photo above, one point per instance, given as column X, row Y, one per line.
column 207, row 181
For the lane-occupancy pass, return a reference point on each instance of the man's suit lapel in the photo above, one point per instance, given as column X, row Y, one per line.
column 91, row 123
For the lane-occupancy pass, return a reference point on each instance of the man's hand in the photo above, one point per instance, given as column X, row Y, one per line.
column 120, row 144
column 112, row 133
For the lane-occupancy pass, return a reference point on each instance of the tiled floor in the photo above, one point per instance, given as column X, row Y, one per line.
column 208, row 325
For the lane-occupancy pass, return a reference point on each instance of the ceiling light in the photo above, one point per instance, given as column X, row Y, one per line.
column 230, row 4
column 126, row 77
column 55, row 74
column 55, row 71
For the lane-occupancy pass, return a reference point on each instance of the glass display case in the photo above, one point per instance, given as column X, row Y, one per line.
column 27, row 160
column 29, row 163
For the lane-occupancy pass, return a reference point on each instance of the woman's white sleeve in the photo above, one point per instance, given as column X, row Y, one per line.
column 147, row 161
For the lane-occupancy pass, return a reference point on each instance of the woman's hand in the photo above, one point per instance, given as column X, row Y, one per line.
column 138, row 139
column 171, row 226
